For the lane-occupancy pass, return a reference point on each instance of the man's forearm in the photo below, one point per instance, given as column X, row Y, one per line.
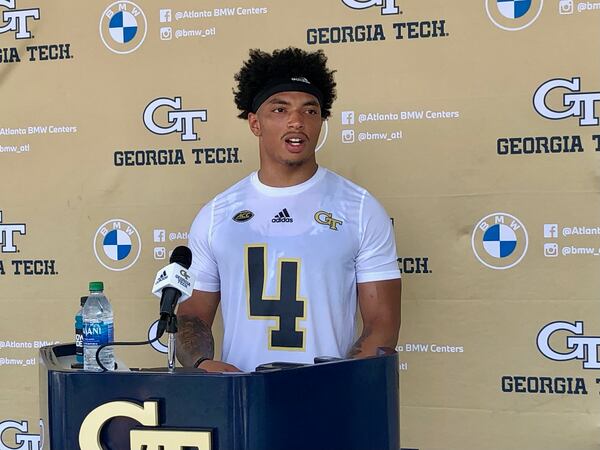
column 194, row 340
column 370, row 340
column 379, row 303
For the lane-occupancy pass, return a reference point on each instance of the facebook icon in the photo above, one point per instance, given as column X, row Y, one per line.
column 550, row 230
column 165, row 15
column 347, row 117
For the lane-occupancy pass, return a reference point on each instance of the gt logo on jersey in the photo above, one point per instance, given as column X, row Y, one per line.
column 181, row 121
column 578, row 104
column 387, row 6
column 326, row 218
column 16, row 19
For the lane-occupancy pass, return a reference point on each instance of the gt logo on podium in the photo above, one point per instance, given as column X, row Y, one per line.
column 140, row 439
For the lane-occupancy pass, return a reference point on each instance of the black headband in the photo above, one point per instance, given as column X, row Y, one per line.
column 293, row 84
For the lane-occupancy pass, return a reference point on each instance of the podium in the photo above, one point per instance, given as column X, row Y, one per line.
column 338, row 405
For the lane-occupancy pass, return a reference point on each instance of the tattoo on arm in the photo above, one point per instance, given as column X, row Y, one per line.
column 194, row 340
column 357, row 347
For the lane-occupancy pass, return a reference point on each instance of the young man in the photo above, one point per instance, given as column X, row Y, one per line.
column 289, row 250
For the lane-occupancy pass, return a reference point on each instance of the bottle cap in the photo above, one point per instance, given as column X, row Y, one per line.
column 82, row 300
column 96, row 286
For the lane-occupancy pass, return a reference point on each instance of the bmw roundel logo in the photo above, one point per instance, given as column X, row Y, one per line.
column 499, row 241
column 123, row 27
column 513, row 15
column 117, row 244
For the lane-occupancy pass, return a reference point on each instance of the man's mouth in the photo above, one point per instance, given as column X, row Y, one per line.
column 295, row 141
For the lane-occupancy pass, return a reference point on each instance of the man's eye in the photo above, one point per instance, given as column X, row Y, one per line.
column 279, row 109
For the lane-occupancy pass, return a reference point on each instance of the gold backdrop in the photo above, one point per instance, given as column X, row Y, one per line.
column 474, row 123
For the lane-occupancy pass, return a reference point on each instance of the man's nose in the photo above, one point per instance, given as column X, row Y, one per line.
column 296, row 120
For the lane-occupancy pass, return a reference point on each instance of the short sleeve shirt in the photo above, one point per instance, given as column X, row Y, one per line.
column 287, row 262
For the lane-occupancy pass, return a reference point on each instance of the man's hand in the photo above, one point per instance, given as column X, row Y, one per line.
column 217, row 366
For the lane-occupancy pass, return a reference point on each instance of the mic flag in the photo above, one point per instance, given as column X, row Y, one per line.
column 173, row 283
column 176, row 275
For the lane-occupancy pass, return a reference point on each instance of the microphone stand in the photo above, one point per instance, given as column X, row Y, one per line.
column 172, row 330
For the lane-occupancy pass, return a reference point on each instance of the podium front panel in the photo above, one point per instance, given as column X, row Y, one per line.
column 346, row 405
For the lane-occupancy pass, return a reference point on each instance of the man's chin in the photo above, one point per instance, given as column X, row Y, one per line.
column 294, row 162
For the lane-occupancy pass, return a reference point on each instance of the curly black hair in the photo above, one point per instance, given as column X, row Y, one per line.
column 289, row 62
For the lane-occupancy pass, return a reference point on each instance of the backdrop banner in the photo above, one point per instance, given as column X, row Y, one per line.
column 475, row 125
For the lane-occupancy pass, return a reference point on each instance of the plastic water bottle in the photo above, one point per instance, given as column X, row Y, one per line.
column 97, row 329
column 79, row 335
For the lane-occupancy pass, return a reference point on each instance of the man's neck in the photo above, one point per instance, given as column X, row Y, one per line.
column 287, row 176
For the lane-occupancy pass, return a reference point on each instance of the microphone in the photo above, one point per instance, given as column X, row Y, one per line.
column 173, row 283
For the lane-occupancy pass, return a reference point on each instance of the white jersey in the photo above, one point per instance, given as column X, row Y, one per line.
column 286, row 261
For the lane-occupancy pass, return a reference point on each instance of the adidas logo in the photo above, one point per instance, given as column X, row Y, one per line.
column 282, row 216
column 163, row 277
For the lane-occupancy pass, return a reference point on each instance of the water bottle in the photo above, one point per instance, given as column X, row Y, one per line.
column 79, row 335
column 97, row 329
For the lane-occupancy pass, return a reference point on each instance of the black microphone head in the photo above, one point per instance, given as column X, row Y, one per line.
column 182, row 256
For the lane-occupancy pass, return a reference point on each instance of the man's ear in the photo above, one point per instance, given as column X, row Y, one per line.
column 254, row 124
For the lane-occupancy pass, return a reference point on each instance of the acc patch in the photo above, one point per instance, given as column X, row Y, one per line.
column 243, row 216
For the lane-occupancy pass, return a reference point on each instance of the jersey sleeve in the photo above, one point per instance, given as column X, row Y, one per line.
column 204, row 266
column 377, row 259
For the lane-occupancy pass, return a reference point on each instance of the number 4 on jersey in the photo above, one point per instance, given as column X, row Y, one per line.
column 287, row 308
